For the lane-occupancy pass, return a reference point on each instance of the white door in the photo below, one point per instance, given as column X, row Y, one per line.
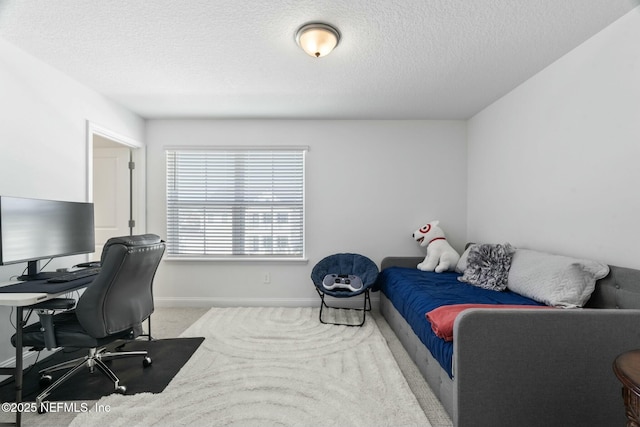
column 111, row 191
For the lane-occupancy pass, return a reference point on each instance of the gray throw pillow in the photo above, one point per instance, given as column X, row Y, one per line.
column 554, row 280
column 488, row 266
column 461, row 266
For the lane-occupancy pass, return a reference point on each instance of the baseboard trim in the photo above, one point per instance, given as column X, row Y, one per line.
column 258, row 302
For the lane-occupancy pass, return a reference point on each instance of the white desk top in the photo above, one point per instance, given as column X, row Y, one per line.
column 24, row 299
column 21, row 300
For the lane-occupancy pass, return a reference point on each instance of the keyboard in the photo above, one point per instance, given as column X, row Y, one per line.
column 74, row 275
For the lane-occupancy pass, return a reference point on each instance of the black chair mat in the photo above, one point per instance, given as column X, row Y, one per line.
column 168, row 356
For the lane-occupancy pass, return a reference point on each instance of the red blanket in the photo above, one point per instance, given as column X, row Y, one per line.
column 442, row 318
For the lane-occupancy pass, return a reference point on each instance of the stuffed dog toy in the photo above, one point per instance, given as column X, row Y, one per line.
column 440, row 255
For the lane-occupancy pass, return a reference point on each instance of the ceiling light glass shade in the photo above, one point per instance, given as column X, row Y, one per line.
column 317, row 39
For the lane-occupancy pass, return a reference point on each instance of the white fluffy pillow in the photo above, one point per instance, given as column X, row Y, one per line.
column 462, row 262
column 554, row 280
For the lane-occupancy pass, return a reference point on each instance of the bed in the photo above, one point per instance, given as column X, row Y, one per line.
column 514, row 367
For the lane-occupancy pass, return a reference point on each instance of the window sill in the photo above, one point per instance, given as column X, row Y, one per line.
column 234, row 259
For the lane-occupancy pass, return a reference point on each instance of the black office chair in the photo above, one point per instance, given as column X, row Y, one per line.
column 112, row 307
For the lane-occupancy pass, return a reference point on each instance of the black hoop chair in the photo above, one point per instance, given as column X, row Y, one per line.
column 345, row 264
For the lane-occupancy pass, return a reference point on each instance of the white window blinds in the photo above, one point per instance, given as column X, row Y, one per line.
column 238, row 203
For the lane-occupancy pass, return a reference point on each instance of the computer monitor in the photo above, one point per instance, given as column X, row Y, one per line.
column 35, row 229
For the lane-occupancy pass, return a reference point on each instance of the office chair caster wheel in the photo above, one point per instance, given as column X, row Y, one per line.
column 121, row 389
column 45, row 380
column 146, row 362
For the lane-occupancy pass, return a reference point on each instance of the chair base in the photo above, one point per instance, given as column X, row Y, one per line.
column 366, row 307
column 94, row 359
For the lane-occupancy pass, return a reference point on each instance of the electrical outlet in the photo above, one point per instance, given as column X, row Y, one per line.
column 266, row 279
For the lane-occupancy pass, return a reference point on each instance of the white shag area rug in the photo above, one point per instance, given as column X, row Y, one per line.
column 274, row 367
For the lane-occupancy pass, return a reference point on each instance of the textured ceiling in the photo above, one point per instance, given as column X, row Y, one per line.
column 397, row 59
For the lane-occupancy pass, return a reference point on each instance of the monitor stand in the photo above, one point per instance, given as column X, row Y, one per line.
column 34, row 274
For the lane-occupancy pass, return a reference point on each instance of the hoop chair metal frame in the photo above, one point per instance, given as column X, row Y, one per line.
column 366, row 307
column 345, row 263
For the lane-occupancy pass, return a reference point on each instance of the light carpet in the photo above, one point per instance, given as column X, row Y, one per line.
column 274, row 367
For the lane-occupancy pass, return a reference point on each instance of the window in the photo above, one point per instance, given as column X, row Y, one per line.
column 235, row 203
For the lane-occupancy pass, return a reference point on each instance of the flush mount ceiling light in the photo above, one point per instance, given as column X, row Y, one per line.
column 317, row 39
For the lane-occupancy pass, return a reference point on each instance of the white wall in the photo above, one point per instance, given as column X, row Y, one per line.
column 43, row 151
column 554, row 164
column 393, row 176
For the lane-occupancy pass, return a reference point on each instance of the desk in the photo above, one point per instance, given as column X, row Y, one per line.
column 20, row 300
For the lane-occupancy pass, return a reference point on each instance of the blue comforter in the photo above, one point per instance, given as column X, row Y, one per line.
column 414, row 293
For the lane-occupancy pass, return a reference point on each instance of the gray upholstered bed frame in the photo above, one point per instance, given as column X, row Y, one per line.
column 533, row 367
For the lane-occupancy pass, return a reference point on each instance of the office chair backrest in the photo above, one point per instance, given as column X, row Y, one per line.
column 121, row 296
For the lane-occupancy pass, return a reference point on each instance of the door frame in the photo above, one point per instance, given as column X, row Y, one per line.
column 138, row 151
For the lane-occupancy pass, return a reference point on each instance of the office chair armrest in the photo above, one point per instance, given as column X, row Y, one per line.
column 45, row 310
column 55, row 304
